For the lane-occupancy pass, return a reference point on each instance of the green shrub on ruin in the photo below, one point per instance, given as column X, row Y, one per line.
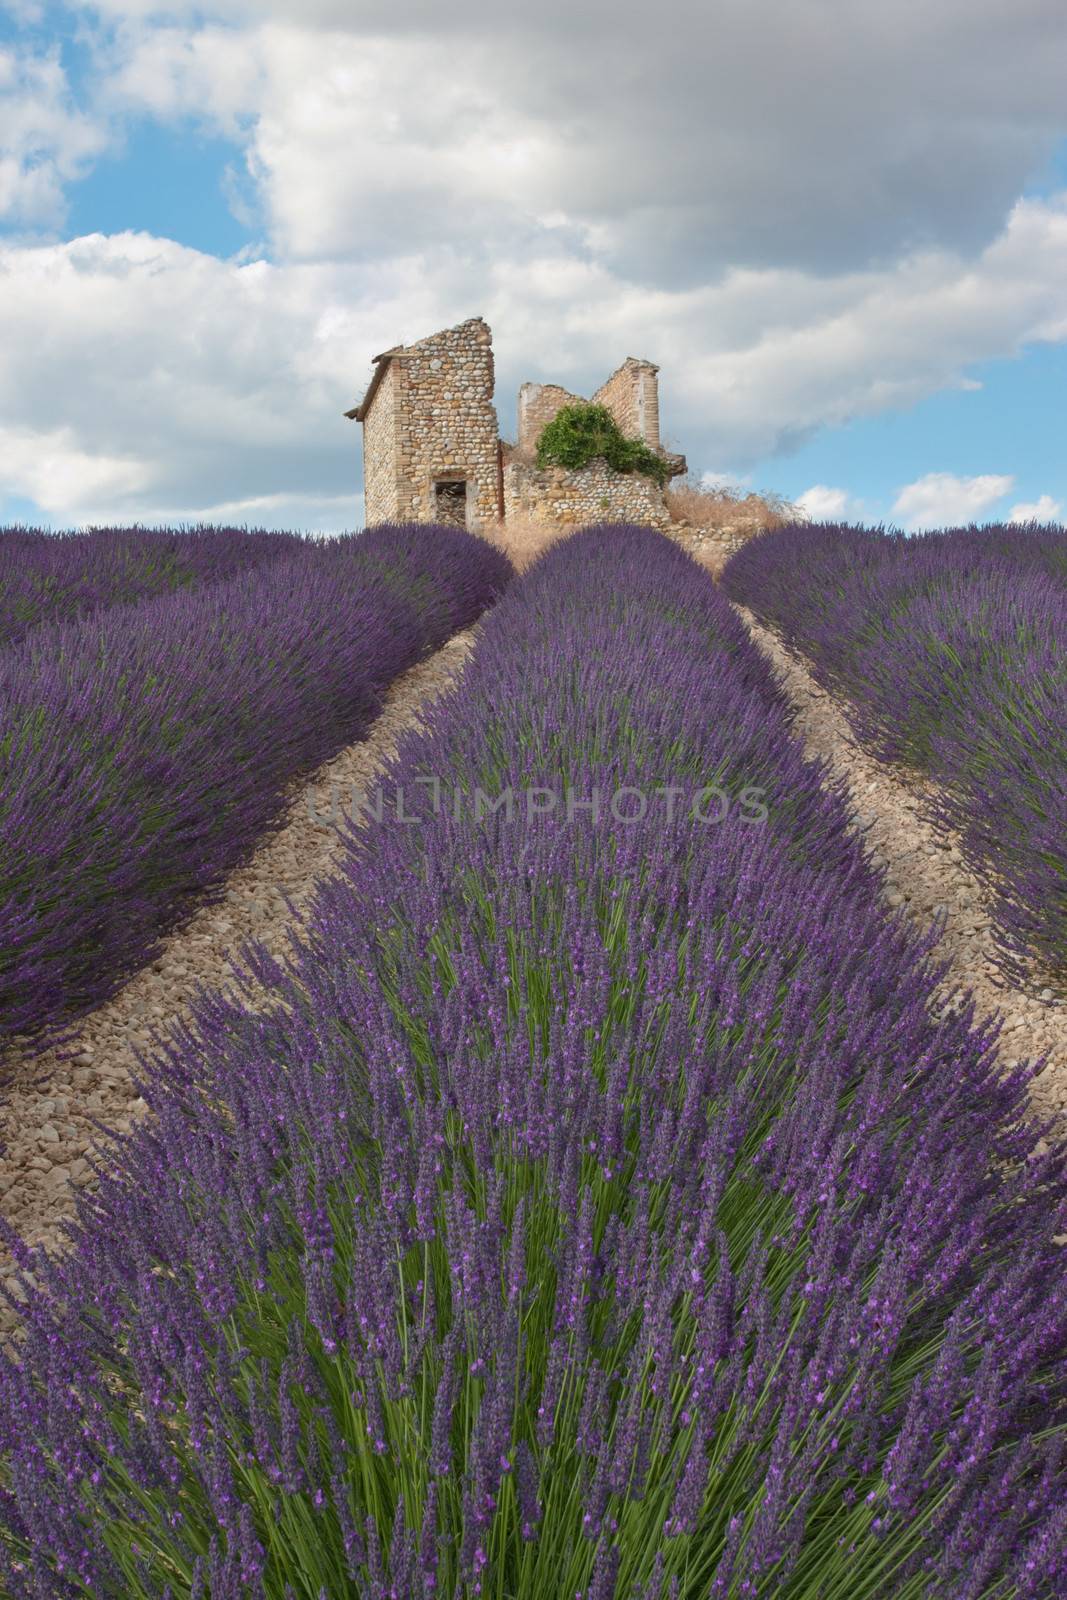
column 579, row 433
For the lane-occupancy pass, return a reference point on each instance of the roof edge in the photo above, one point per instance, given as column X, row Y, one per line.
column 381, row 362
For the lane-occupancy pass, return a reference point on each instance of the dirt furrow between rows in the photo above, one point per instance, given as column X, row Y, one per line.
column 927, row 876
column 48, row 1102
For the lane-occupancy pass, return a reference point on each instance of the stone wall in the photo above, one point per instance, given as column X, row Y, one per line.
column 432, row 417
column 430, row 428
column 593, row 493
column 631, row 394
column 381, row 487
column 538, row 404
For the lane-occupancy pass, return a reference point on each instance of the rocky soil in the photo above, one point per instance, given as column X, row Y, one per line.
column 926, row 876
column 49, row 1102
column 712, row 547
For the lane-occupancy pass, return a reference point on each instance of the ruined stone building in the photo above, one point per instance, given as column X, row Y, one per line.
column 432, row 450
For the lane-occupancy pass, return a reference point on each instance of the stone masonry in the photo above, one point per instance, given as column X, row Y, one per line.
column 631, row 394
column 538, row 404
column 431, row 450
column 594, row 493
column 430, row 439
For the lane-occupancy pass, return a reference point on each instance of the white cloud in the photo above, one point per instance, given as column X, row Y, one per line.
column 45, row 141
column 216, row 73
column 223, row 381
column 838, row 149
column 304, row 513
column 723, row 480
column 941, row 499
column 823, row 504
column 360, row 145
column 1044, row 509
column 140, row 375
column 49, row 467
column 424, row 163
column 865, row 343
column 754, row 362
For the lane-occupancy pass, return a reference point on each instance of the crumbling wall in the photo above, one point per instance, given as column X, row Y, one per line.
column 429, row 417
column 432, row 417
column 593, row 493
column 381, row 453
column 631, row 394
column 538, row 404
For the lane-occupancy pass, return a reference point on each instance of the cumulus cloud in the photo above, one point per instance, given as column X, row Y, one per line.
column 823, row 504
column 209, row 72
column 45, row 141
column 941, row 499
column 49, row 467
column 769, row 225
column 141, row 375
column 1044, row 509
column 224, row 381
column 755, row 362
column 840, row 147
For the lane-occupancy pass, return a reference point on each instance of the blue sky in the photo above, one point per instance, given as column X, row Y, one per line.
column 853, row 276
column 1012, row 425
column 168, row 181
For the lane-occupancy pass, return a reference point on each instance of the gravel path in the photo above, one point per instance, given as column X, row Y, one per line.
column 927, row 875
column 47, row 1101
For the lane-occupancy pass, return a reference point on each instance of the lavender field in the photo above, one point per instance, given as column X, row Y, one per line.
column 949, row 653
column 597, row 1206
column 53, row 577
column 146, row 746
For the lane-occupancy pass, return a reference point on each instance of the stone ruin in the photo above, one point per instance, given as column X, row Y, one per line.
column 432, row 451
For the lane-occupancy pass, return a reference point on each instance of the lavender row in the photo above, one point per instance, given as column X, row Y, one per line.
column 949, row 653
column 144, row 749
column 597, row 1209
column 53, row 577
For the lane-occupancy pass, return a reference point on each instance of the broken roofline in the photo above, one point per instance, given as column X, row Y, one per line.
column 380, row 363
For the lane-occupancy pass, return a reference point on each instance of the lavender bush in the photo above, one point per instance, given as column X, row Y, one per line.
column 949, row 652
column 593, row 1208
column 144, row 749
column 52, row 577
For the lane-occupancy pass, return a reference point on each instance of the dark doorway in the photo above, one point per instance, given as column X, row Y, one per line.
column 450, row 501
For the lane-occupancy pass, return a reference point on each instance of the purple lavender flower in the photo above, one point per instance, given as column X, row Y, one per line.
column 729, row 1273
